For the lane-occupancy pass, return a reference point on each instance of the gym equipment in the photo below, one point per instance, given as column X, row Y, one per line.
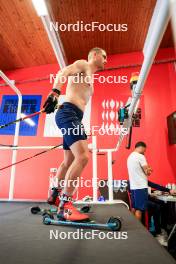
column 114, row 223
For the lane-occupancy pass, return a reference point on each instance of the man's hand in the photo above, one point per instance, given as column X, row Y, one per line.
column 50, row 103
column 147, row 170
column 172, row 192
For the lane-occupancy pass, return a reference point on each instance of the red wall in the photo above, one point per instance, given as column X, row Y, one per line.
column 31, row 179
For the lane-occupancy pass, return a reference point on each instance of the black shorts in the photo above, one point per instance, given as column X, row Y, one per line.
column 68, row 119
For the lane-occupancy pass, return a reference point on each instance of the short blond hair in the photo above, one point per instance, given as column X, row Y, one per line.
column 96, row 49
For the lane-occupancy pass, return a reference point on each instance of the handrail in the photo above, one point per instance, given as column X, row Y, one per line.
column 16, row 136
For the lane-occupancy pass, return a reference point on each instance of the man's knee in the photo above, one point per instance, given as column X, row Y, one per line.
column 83, row 159
column 66, row 164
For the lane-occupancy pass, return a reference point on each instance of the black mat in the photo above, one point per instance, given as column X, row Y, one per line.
column 24, row 239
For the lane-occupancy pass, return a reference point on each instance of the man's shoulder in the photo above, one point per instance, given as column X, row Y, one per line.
column 131, row 156
column 141, row 155
column 81, row 65
column 81, row 62
column 135, row 155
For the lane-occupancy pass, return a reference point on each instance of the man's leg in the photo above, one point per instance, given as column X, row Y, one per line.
column 134, row 201
column 161, row 234
column 138, row 215
column 154, row 210
column 61, row 172
column 139, row 201
column 63, row 168
column 81, row 155
column 66, row 210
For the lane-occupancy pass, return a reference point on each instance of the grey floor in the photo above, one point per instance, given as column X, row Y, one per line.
column 24, row 239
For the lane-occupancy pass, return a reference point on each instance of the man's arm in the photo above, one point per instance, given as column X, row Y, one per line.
column 143, row 163
column 161, row 188
column 158, row 187
column 61, row 77
column 147, row 170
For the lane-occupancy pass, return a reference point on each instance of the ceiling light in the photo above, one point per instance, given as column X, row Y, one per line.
column 40, row 7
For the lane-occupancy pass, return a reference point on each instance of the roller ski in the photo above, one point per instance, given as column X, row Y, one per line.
column 68, row 215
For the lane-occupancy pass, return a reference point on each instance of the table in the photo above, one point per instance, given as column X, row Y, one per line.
column 165, row 198
column 169, row 211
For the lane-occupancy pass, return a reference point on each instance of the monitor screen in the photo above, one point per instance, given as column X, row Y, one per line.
column 171, row 125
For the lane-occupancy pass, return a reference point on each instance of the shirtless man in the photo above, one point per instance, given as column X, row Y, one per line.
column 68, row 117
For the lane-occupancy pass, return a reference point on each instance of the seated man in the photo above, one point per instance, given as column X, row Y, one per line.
column 155, row 209
column 138, row 171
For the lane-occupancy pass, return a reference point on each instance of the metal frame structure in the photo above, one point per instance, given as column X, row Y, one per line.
column 54, row 38
column 156, row 30
column 16, row 136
